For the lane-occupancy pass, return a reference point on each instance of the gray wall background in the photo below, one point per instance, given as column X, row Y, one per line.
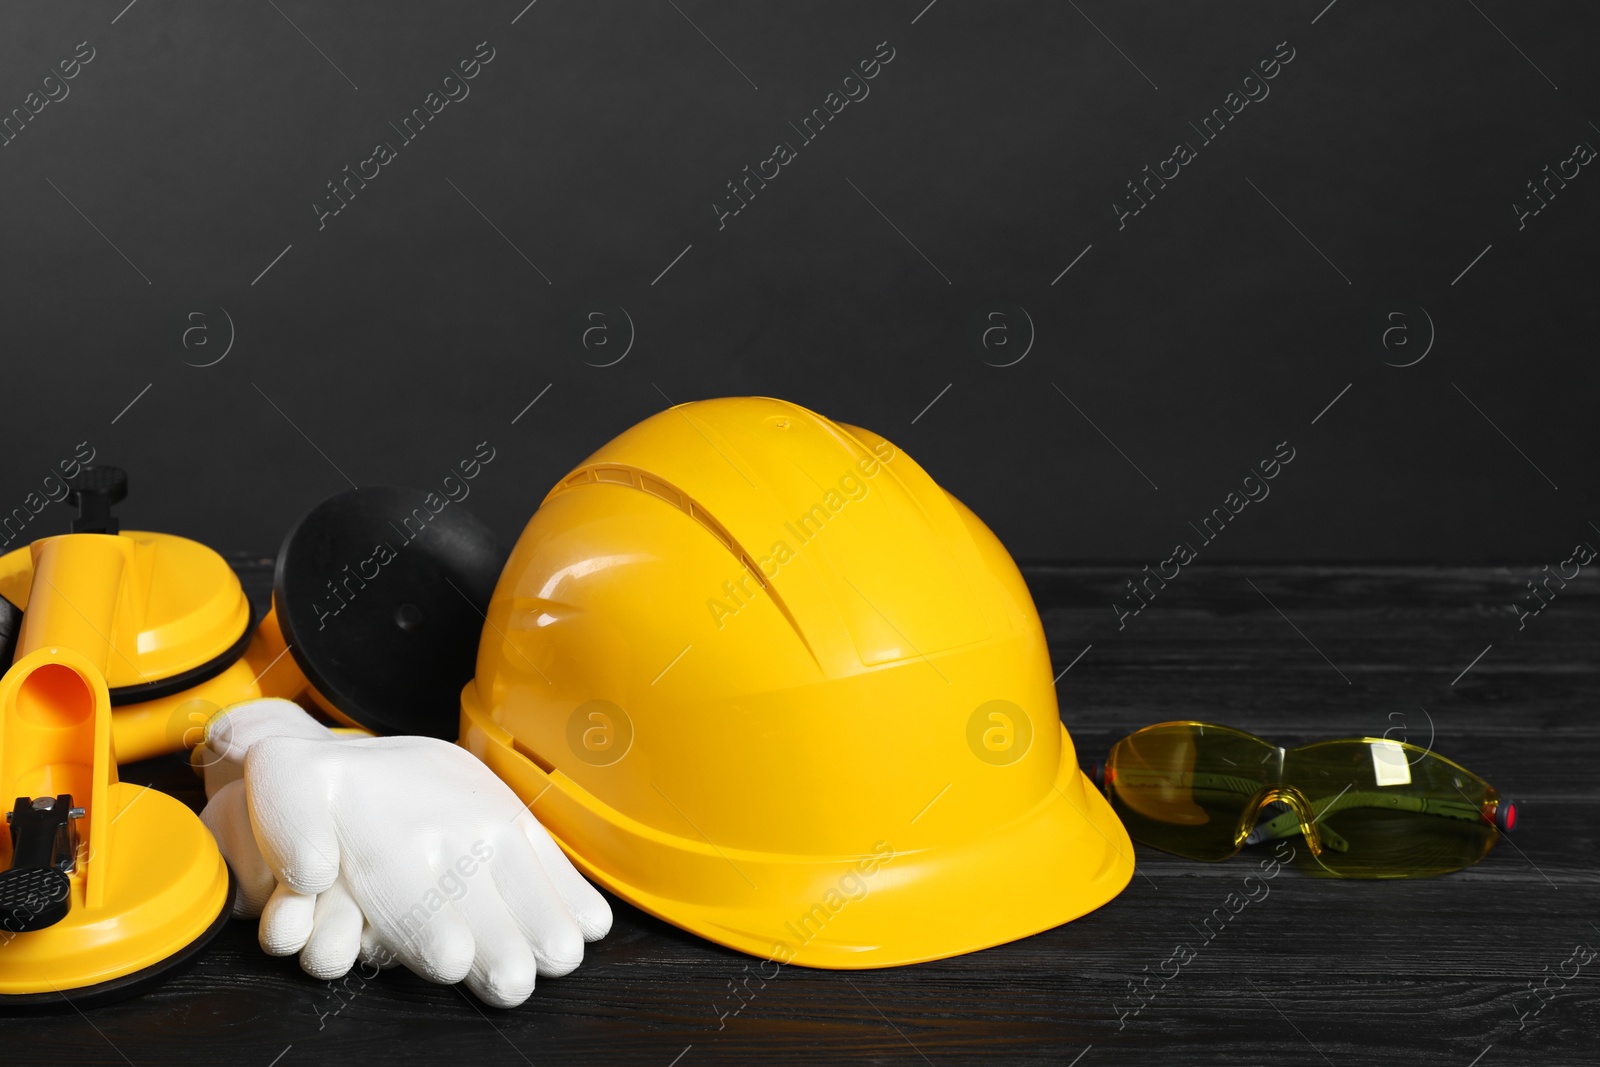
column 1221, row 320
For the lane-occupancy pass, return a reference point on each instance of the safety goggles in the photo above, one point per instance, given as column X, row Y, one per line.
column 1368, row 807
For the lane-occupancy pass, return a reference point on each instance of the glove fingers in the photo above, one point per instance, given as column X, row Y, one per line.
column 227, row 816
column 286, row 922
column 537, row 907
column 584, row 901
column 285, row 781
column 503, row 966
column 375, row 952
column 335, row 934
column 414, row 920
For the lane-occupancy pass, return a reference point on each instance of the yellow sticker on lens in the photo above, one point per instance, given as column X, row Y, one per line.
column 1389, row 766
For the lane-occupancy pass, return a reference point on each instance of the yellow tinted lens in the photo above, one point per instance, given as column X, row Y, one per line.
column 1383, row 809
column 1185, row 787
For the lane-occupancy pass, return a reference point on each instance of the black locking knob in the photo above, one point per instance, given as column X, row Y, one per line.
column 94, row 491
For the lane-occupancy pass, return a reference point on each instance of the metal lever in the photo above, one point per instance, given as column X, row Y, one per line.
column 36, row 892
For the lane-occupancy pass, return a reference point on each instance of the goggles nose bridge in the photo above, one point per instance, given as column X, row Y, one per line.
column 1252, row 830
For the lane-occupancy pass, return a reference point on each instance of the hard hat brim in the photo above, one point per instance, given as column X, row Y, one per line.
column 1063, row 858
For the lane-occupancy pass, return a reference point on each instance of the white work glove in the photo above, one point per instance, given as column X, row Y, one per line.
column 391, row 849
column 227, row 813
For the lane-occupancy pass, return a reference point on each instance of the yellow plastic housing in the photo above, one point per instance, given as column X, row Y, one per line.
column 181, row 606
column 762, row 677
column 148, row 879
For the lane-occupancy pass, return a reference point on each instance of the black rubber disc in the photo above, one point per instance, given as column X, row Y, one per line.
column 129, row 984
column 382, row 599
column 10, row 627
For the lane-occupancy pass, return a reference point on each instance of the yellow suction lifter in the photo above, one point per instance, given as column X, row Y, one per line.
column 126, row 642
column 104, row 886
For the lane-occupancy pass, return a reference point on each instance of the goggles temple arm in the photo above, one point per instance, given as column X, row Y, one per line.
column 1287, row 823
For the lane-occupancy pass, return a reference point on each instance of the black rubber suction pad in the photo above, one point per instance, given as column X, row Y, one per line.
column 381, row 595
column 10, row 627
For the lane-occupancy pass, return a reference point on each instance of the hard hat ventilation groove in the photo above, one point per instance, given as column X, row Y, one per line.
column 633, row 477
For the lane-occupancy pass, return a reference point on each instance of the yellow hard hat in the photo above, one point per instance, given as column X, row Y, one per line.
column 761, row 677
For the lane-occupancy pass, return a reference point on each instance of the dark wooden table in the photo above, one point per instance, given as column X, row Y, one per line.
column 1483, row 967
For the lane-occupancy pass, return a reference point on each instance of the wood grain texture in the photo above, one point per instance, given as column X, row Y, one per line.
column 1424, row 972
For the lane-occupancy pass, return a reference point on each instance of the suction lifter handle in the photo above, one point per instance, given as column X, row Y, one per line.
column 35, row 892
column 94, row 491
